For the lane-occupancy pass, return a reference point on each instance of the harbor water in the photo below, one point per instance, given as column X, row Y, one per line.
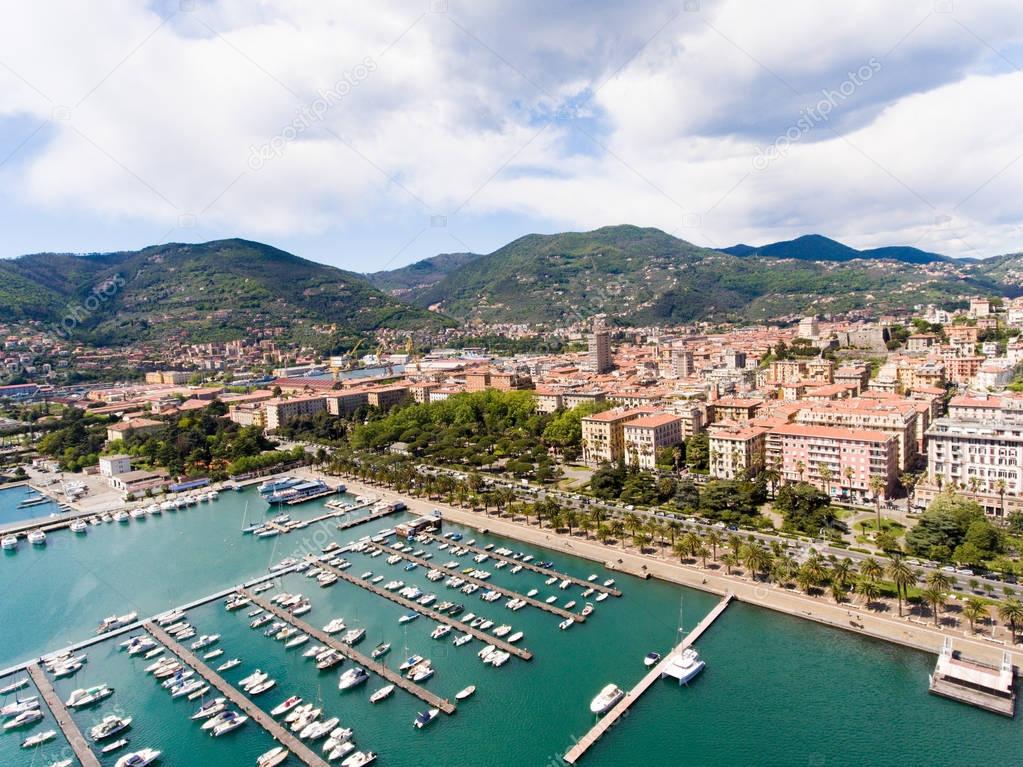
column 13, row 508
column 776, row 691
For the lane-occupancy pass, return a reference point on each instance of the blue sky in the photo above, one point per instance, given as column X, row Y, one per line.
column 372, row 135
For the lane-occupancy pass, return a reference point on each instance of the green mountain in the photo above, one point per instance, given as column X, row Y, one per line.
column 645, row 276
column 816, row 247
column 198, row 292
column 420, row 275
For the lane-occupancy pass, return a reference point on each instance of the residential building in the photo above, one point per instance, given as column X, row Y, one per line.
column 278, row 412
column 737, row 450
column 736, row 409
column 599, row 348
column 982, row 457
column 603, row 436
column 109, row 465
column 386, row 397
column 646, row 435
column 134, row 426
column 898, row 417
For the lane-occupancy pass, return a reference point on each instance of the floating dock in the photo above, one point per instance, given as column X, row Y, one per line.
column 298, row 749
column 976, row 684
column 440, row 617
column 611, row 718
column 392, row 676
column 67, row 725
column 530, row 566
column 368, row 518
column 486, row 585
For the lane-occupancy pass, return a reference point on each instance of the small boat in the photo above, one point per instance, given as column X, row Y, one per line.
column 213, row 654
column 463, row 639
column 38, row 739
column 19, row 706
column 440, row 632
column 381, row 650
column 606, row 699
column 566, row 624
column 410, row 662
column 592, row 577
column 551, row 600
column 262, row 687
column 298, row 641
column 651, row 659
column 229, row 664
column 532, row 592
column 14, row 686
column 138, row 758
column 273, row 757
column 408, row 617
column 381, row 694
column 210, row 708
column 601, row 596
column 89, row 696
column 587, row 609
column 110, row 725
column 232, row 724
column 684, row 666
column 360, row 759
column 335, row 626
column 286, row 706
column 609, row 582
column 515, row 637
column 423, row 718
column 352, row 678
column 24, row 719
column 115, row 746
column 9, row 542
column 465, row 693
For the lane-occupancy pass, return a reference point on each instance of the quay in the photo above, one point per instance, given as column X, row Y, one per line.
column 250, row 709
column 611, row 718
column 392, row 676
column 368, row 518
column 67, row 725
column 465, row 628
column 530, row 566
column 487, row 585
column 300, row 524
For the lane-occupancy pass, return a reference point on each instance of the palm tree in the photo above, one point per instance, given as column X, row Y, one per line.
column 586, row 524
column 1001, row 487
column 903, row 577
column 756, row 559
column 618, row 530
column 729, row 560
column 842, row 573
column 826, row 475
column 869, row 588
column 849, row 474
column 632, row 522
column 714, row 540
column 909, row 481
column 974, row 609
column 935, row 596
column 781, row 569
column 800, row 468
column 702, row 551
column 877, row 486
column 690, row 542
column 1011, row 611
column 939, row 580
column 805, row 579
column 734, row 544
column 837, row 592
column 571, row 519
column 870, row 568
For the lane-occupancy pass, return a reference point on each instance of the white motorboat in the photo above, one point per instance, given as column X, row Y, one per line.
column 336, row 626
column 465, row 693
column 115, row 746
column 606, row 699
column 138, row 758
column 463, row 639
column 262, row 687
column 440, row 632
column 205, row 641
column 286, row 706
column 353, row 677
column 210, row 708
column 229, row 725
column 24, row 719
column 38, row 739
column 381, row 650
column 381, row 694
column 19, row 707
column 273, row 757
column 79, row 526
column 298, row 641
column 601, row 596
column 109, row 726
column 87, row 697
column 14, row 686
column 360, row 759
column 37, row 538
column 9, row 542
column 515, row 637
column 423, row 718
column 651, row 659
column 566, row 624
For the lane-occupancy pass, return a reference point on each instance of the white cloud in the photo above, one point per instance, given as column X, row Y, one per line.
column 452, row 113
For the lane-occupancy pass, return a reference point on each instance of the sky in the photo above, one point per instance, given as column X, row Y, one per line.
column 369, row 135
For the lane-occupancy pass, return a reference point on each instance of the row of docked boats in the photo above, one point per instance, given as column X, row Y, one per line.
column 308, row 722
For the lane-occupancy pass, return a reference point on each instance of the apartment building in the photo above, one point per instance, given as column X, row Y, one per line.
column 645, row 435
column 981, row 456
column 548, row 400
column 604, row 437
column 737, row 449
column 1005, row 408
column 386, row 397
column 736, row 409
column 175, row 377
column 852, row 457
column 898, row 418
column 346, row 402
column 278, row 412
column 134, row 426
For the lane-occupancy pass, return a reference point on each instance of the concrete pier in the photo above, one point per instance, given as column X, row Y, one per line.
column 67, row 725
column 465, row 628
column 611, row 718
column 392, row 676
column 487, row 585
column 298, row 749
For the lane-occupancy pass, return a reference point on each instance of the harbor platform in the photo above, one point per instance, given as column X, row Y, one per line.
column 298, row 749
column 621, row 708
column 976, row 684
column 392, row 676
column 67, row 725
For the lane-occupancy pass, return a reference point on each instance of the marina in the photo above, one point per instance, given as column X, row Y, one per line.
column 199, row 552
column 67, row 725
column 465, row 628
column 549, row 608
column 351, row 653
column 254, row 712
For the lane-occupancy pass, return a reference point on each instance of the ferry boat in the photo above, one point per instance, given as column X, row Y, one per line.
column 300, row 492
column 278, row 484
column 606, row 699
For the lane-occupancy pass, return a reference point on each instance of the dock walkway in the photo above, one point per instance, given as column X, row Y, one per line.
column 529, row 566
column 298, row 749
column 392, row 676
column 67, row 725
column 486, row 585
column 368, row 518
column 440, row 617
column 611, row 718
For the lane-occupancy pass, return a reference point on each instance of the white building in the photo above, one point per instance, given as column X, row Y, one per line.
column 110, row 465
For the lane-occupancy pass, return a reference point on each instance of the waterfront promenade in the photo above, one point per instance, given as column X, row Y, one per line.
column 844, row 616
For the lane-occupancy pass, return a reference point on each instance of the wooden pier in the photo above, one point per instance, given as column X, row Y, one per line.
column 368, row 518
column 487, row 585
column 67, row 725
column 298, row 749
column 392, row 676
column 611, row 718
column 530, row 566
column 410, row 604
column 300, row 524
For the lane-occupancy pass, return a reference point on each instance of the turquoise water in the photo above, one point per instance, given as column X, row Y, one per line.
column 11, row 497
column 777, row 690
